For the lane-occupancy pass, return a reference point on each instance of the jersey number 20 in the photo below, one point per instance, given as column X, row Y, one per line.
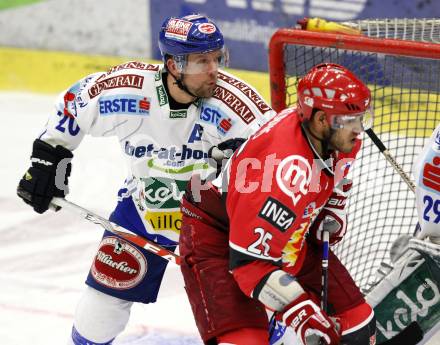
column 71, row 126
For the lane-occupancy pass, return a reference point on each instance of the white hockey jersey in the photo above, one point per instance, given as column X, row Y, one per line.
column 426, row 171
column 163, row 147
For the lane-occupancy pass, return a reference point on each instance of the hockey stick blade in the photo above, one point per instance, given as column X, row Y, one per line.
column 410, row 335
column 117, row 230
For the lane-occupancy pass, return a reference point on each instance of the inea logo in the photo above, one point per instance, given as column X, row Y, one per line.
column 277, row 214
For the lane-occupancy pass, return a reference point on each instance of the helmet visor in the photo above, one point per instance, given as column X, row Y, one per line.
column 355, row 122
column 200, row 63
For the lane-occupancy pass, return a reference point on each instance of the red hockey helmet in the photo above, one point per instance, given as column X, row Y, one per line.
column 336, row 91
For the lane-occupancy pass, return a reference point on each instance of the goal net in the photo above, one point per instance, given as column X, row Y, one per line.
column 399, row 59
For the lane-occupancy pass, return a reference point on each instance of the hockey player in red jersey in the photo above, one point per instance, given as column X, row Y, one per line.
column 279, row 191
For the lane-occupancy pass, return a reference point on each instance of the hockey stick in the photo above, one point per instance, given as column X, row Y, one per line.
column 380, row 145
column 412, row 334
column 325, row 245
column 324, row 272
column 117, row 230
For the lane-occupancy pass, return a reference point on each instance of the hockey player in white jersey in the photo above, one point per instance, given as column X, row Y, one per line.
column 406, row 300
column 426, row 171
column 167, row 118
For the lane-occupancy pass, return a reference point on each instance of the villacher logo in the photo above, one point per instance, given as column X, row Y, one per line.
column 118, row 269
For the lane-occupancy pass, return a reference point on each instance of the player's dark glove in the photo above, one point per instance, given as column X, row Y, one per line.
column 220, row 153
column 47, row 177
column 231, row 144
column 225, row 149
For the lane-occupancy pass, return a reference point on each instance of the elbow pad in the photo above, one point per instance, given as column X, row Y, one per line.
column 278, row 290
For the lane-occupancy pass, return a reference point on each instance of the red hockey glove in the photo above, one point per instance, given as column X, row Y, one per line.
column 309, row 321
column 332, row 217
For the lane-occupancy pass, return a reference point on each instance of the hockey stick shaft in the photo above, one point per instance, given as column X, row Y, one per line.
column 380, row 145
column 325, row 249
column 324, row 272
column 412, row 334
column 117, row 230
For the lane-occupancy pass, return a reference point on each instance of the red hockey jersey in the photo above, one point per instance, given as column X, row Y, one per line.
column 277, row 184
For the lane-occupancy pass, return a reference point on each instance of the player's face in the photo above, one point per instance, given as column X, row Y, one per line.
column 347, row 127
column 201, row 73
column 344, row 139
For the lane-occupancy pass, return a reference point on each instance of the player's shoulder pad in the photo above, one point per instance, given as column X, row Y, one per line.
column 132, row 74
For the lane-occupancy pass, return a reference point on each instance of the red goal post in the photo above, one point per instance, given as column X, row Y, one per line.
column 285, row 36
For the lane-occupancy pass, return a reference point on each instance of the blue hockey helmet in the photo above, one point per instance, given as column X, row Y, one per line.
column 181, row 36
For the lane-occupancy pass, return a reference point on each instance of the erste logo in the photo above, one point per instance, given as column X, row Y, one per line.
column 431, row 174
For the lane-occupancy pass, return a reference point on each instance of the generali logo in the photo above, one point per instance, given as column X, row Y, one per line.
column 135, row 65
column 126, row 80
column 246, row 90
column 234, row 103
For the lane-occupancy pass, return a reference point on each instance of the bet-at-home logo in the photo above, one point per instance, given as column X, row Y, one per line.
column 160, row 193
column 172, row 159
